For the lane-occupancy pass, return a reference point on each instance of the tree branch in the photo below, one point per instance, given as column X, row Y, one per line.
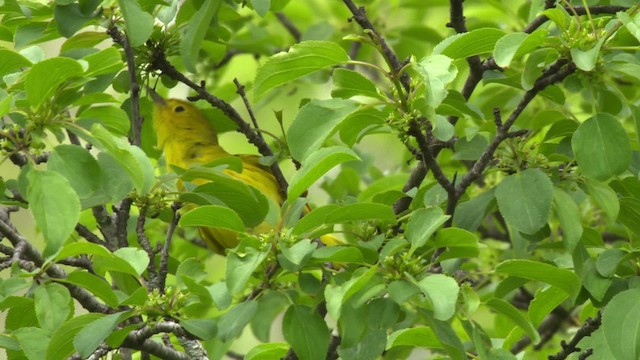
column 291, row 28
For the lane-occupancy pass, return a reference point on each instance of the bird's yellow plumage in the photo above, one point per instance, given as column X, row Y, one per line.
column 187, row 138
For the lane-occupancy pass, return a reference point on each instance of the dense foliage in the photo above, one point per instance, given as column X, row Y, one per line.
column 479, row 160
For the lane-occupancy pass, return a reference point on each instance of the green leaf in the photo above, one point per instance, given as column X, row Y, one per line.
column 138, row 23
column 347, row 254
column 242, row 262
column 261, row 6
column 349, row 83
column 301, row 59
column 295, row 257
column 111, row 117
column 77, row 165
column 93, row 284
column 515, row 44
column 543, row 303
column 92, row 335
column 61, row 344
column 12, row 62
column 55, row 207
column 33, row 341
column 470, row 214
column 422, row 224
column 474, row 42
column 621, row 325
column 307, row 332
column 337, row 295
column 437, row 71
column 53, row 306
column 71, row 18
column 270, row 305
column 602, row 147
column 268, row 351
column 569, row 215
column 524, row 200
column 604, row 197
column 607, row 262
column 315, row 166
column 564, row 279
column 447, row 336
column 231, row 324
column 596, row 284
column 192, row 38
column 137, row 258
column 361, row 212
column 630, row 213
column 632, row 24
column 421, row 336
column 314, row 123
column 442, row 292
column 459, row 243
column 77, row 248
column 204, row 329
column 213, row 216
column 106, row 61
column 586, row 60
column 45, row 77
column 313, row 219
column 516, row 316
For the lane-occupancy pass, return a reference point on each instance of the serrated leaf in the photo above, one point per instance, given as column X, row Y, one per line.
column 301, row 59
column 315, row 166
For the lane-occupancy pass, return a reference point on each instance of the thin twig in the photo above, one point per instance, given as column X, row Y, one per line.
column 589, row 326
column 122, row 212
column 146, row 246
column 88, row 235
column 136, row 123
column 163, row 270
column 291, row 28
column 580, row 10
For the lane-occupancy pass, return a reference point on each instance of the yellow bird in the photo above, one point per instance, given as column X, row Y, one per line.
column 187, row 138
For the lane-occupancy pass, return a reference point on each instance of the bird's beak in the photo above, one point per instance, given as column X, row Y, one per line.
column 157, row 99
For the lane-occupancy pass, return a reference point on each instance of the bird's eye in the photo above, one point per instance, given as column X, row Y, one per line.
column 179, row 109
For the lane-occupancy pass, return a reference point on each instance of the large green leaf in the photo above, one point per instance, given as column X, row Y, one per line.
column 569, row 215
column 524, row 200
column 45, row 77
column 602, row 147
column 213, row 216
column 621, row 325
column 516, row 316
column 302, row 59
column 307, row 332
column 474, row 42
column 422, row 224
column 138, row 23
column 77, row 165
column 564, row 279
column 314, row 123
column 442, row 291
column 55, row 207
column 53, row 305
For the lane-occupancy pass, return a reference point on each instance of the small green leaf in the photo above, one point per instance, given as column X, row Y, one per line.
column 242, row 262
column 137, row 258
column 213, row 216
column 543, row 303
column 514, row 315
column 360, row 212
column 268, row 351
column 92, row 335
column 346, row 254
column 52, row 303
column 586, row 60
column 307, row 332
column 621, row 325
column 569, row 216
column 422, row 224
column 12, row 61
column 349, row 83
column 314, row 123
column 315, row 166
column 632, row 24
column 515, row 44
column 295, row 257
column 607, row 262
column 474, row 42
column 604, row 197
column 138, row 23
column 524, row 199
column 113, row 118
column 301, row 59
column 77, row 248
column 204, row 329
column 196, row 30
column 470, row 214
column 442, row 292
column 231, row 324
column 602, row 147
column 337, row 295
column 55, row 207
column 261, row 6
column 314, row 219
column 437, row 71
column 564, row 279
column 421, row 336
column 45, row 77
